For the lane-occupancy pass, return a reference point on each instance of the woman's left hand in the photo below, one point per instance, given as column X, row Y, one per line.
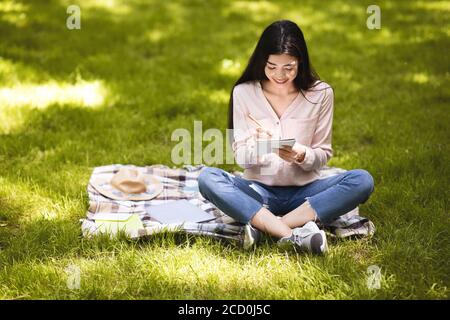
column 289, row 154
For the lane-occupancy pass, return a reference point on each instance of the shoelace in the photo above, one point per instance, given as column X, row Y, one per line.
column 300, row 233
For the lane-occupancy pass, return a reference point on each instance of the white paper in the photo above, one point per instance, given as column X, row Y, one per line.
column 268, row 146
column 178, row 211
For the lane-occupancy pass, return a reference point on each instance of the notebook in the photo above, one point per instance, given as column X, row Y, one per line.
column 268, row 146
column 115, row 222
column 178, row 211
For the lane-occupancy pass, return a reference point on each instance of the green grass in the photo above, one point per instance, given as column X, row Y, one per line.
column 146, row 68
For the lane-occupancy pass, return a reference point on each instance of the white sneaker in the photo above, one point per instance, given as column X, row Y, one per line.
column 307, row 238
column 251, row 236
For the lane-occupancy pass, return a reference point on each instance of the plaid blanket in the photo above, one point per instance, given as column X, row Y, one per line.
column 181, row 183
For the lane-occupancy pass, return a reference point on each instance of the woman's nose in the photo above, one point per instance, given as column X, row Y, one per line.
column 280, row 74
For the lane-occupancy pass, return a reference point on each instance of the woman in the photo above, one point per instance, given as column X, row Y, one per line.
column 280, row 192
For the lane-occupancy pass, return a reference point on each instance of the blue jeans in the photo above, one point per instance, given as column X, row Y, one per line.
column 241, row 198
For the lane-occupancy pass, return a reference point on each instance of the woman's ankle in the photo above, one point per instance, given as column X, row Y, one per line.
column 267, row 222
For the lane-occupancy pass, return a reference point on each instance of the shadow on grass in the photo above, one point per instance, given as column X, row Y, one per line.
column 9, row 227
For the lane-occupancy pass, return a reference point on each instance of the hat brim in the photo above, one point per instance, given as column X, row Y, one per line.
column 102, row 184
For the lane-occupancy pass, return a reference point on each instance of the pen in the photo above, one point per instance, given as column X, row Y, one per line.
column 258, row 124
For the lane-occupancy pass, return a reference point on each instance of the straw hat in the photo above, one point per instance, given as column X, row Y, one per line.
column 128, row 184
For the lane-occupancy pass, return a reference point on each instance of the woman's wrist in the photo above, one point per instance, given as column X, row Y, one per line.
column 300, row 153
column 299, row 157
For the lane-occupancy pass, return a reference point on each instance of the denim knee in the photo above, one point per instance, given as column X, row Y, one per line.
column 208, row 177
column 364, row 182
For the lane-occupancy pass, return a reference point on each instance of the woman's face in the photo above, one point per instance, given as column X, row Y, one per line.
column 281, row 69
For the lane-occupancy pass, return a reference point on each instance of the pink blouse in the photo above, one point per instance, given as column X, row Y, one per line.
column 309, row 122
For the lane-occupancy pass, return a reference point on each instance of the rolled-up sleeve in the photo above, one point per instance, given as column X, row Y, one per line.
column 320, row 151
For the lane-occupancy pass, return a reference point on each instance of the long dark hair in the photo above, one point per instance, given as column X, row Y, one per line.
column 280, row 37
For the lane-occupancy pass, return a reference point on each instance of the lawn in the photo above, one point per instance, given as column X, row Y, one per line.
column 114, row 91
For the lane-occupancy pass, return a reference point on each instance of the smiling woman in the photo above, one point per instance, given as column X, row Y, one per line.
column 280, row 87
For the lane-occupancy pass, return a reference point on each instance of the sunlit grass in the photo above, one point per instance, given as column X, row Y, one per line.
column 14, row 13
column 420, row 78
column 115, row 7
column 230, row 68
column 201, row 269
column 442, row 6
column 84, row 94
column 17, row 101
column 155, row 36
column 257, row 10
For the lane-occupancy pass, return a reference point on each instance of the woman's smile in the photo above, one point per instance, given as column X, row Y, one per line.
column 280, row 81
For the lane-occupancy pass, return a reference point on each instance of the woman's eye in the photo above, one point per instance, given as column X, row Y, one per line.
column 271, row 68
column 288, row 69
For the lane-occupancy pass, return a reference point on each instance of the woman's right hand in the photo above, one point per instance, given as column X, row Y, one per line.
column 250, row 142
column 262, row 134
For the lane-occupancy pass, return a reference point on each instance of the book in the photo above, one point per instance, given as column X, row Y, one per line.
column 112, row 223
column 269, row 146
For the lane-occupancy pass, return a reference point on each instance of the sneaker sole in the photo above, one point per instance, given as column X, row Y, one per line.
column 250, row 240
column 319, row 243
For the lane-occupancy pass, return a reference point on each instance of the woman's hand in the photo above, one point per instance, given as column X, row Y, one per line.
column 290, row 155
column 261, row 133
